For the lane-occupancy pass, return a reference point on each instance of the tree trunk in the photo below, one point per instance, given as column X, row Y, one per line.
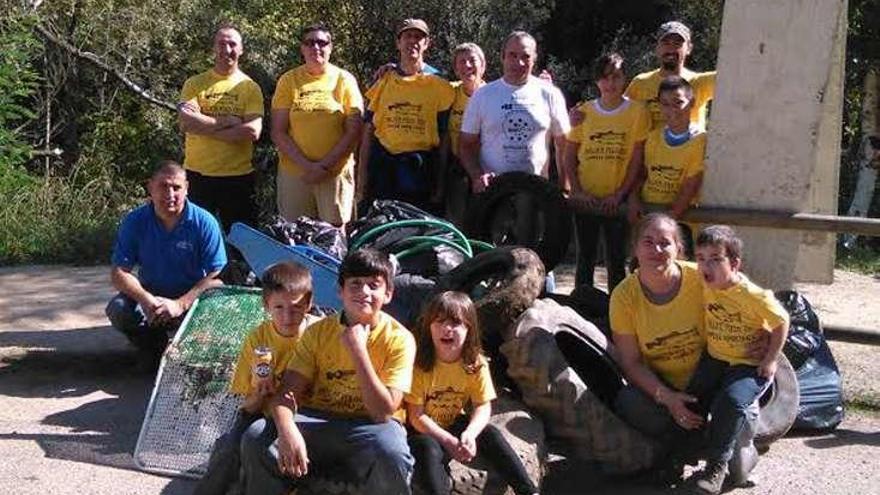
column 868, row 164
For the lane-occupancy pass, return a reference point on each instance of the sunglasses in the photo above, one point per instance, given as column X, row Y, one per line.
column 316, row 42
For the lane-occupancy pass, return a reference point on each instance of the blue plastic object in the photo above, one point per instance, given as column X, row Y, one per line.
column 262, row 251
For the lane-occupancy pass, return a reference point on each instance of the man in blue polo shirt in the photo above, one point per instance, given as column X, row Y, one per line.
column 177, row 248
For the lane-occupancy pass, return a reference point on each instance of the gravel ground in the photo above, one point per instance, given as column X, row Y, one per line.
column 71, row 403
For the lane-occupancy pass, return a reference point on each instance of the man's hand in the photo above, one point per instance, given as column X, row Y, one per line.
column 583, row 202
column 676, row 403
column 480, row 183
column 355, row 336
column 314, row 174
column 189, row 108
column 634, row 209
column 293, row 459
column 610, row 204
column 767, row 368
column 166, row 310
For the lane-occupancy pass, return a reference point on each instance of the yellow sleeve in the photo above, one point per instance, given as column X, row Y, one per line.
column 697, row 161
column 189, row 90
column 254, row 102
column 352, row 101
column 631, row 90
column 446, row 94
column 643, row 122
column 283, row 97
column 241, row 380
column 416, row 395
column 622, row 311
column 398, row 370
column 375, row 93
column 769, row 309
column 705, row 85
column 482, row 389
column 303, row 358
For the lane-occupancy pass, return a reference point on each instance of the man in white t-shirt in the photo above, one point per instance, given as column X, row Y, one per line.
column 506, row 122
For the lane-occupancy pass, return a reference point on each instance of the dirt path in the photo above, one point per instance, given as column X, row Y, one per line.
column 71, row 404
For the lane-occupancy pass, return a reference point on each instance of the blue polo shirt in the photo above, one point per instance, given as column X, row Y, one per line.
column 169, row 263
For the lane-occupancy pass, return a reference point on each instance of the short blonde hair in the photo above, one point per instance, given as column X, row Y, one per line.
column 468, row 48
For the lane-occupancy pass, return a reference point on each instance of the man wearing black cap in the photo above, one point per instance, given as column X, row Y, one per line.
column 407, row 113
column 673, row 47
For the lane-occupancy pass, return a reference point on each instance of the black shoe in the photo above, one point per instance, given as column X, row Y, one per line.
column 711, row 480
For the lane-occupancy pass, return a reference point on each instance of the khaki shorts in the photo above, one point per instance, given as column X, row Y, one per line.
column 330, row 201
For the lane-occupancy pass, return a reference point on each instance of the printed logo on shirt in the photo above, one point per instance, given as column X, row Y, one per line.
column 664, row 179
column 184, row 245
column 406, row 118
column 605, row 147
column 220, row 103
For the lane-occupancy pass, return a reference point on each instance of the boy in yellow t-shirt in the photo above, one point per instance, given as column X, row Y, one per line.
column 602, row 156
column 287, row 297
column 672, row 174
column 728, row 379
column 339, row 405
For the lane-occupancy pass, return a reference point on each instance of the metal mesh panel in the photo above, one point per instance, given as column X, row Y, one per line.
column 190, row 406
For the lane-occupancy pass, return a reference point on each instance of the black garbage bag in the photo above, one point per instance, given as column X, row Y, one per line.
column 819, row 382
column 821, row 404
column 305, row 231
column 805, row 332
column 411, row 292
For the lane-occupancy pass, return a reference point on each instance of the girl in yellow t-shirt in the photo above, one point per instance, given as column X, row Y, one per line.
column 602, row 159
column 451, row 373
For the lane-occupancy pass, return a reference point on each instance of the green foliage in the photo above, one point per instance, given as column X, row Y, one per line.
column 18, row 82
column 863, row 259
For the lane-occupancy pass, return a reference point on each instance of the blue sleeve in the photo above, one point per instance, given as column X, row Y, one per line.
column 213, row 250
column 442, row 122
column 125, row 251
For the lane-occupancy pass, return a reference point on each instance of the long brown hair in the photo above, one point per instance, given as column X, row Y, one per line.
column 449, row 305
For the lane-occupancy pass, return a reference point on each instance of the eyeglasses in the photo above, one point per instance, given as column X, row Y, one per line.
column 316, row 42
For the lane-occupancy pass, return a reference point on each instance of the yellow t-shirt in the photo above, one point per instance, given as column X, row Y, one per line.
column 669, row 166
column 456, row 114
column 321, row 357
column 264, row 335
column 448, row 388
column 644, row 87
column 670, row 336
column 734, row 317
column 236, row 94
column 605, row 144
column 405, row 110
column 318, row 106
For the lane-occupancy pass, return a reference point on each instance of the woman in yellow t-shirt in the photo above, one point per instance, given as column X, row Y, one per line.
column 450, row 374
column 469, row 63
column 656, row 319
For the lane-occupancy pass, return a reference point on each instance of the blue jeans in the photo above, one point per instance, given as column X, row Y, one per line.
column 654, row 421
column 127, row 316
column 373, row 455
column 725, row 392
column 225, row 462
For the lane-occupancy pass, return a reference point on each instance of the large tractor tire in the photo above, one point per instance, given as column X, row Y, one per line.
column 503, row 282
column 525, row 434
column 564, row 369
column 523, row 209
column 779, row 405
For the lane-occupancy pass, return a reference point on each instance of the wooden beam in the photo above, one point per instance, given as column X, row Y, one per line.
column 785, row 220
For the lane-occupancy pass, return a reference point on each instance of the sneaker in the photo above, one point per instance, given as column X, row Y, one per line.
column 711, row 479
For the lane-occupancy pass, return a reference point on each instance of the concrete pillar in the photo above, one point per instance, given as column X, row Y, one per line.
column 774, row 133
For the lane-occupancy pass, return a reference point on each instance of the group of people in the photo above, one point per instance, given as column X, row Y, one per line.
column 360, row 388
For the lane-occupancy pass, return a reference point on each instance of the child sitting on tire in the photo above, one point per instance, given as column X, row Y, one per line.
column 728, row 379
column 451, row 373
column 287, row 298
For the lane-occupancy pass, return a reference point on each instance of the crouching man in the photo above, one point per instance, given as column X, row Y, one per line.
column 339, row 407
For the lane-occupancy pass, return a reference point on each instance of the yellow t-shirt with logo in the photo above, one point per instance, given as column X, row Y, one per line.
column 456, row 114
column 605, row 144
column 735, row 317
column 644, row 87
column 237, row 95
column 264, row 335
column 321, row 357
column 405, row 110
column 319, row 106
column 669, row 336
column 669, row 166
column 448, row 388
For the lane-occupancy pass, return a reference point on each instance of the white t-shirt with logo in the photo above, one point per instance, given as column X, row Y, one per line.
column 513, row 122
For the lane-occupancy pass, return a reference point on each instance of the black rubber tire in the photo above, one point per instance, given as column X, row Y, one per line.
column 571, row 410
column 589, row 302
column 515, row 278
column 779, row 405
column 492, row 216
column 525, row 434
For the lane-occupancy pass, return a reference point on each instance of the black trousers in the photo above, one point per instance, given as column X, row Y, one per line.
column 230, row 199
column 588, row 228
column 432, row 461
